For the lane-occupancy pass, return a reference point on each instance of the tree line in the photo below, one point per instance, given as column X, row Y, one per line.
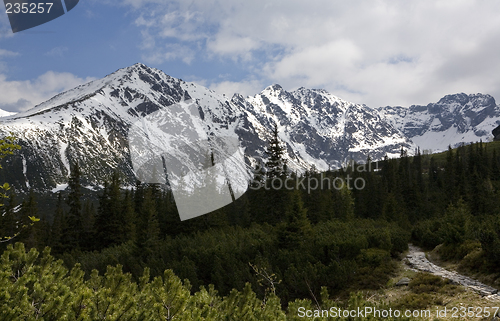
column 287, row 243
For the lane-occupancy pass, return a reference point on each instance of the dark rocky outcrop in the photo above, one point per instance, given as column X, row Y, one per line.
column 496, row 133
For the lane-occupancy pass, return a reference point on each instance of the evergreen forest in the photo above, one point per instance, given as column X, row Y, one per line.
column 124, row 254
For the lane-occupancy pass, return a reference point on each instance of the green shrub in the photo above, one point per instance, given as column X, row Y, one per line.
column 399, row 240
column 467, row 247
column 425, row 283
column 413, row 301
column 475, row 260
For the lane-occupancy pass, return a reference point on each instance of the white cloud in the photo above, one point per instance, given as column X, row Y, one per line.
column 245, row 87
column 7, row 53
column 57, row 52
column 5, row 29
column 170, row 52
column 233, row 46
column 26, row 94
column 378, row 52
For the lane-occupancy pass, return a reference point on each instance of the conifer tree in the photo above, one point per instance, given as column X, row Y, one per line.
column 115, row 215
column 418, row 167
column 138, row 196
column 297, row 228
column 58, row 225
column 275, row 196
column 129, row 218
column 495, row 166
column 459, row 170
column 88, row 222
column 433, row 174
column 276, row 163
column 344, row 201
column 450, row 179
column 240, row 209
column 148, row 231
column 73, row 231
column 110, row 221
column 169, row 220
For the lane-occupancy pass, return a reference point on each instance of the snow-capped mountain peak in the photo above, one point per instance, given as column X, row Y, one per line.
column 453, row 120
column 90, row 124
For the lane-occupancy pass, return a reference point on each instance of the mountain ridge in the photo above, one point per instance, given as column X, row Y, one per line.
column 90, row 124
column 453, row 120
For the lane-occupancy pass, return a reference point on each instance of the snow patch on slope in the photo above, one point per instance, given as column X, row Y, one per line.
column 4, row 113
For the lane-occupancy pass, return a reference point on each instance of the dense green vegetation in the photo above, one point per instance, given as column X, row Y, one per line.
column 466, row 208
column 34, row 287
column 269, row 249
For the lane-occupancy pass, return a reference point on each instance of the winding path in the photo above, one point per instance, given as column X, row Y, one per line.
column 416, row 260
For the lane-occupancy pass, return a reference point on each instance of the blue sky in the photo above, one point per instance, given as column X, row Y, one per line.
column 377, row 52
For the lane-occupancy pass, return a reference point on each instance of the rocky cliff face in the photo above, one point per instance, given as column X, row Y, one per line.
column 322, row 129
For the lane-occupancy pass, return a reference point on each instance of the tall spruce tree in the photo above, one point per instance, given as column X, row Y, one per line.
column 276, row 163
column 88, row 220
column 275, row 197
column 129, row 217
column 148, row 230
column 73, row 231
column 297, row 227
column 110, row 219
column 58, row 226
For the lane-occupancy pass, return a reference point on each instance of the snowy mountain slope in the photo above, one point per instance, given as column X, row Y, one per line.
column 92, row 124
column 453, row 120
column 4, row 113
column 322, row 129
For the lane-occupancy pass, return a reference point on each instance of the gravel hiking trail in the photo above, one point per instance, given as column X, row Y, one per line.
column 417, row 261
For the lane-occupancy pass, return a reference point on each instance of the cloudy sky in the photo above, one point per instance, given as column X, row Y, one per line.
column 376, row 52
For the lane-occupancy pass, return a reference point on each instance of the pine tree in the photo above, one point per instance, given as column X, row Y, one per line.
column 450, row 177
column 170, row 222
column 58, row 226
column 275, row 198
column 276, row 163
column 297, row 228
column 138, row 196
column 418, row 167
column 88, row 222
column 389, row 169
column 148, row 230
column 73, row 231
column 129, row 218
column 344, row 203
column 495, row 166
column 115, row 216
column 110, row 221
